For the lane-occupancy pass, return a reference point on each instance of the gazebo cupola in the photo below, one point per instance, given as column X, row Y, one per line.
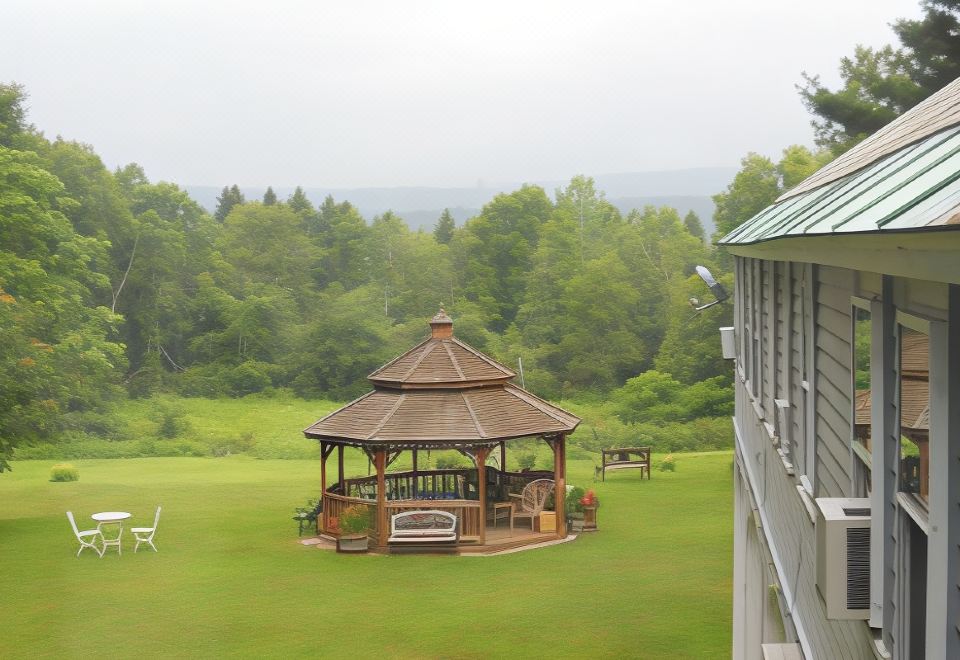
column 440, row 394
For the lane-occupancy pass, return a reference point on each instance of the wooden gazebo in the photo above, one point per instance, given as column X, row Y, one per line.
column 441, row 394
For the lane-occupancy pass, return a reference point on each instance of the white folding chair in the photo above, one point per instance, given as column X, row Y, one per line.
column 145, row 534
column 87, row 538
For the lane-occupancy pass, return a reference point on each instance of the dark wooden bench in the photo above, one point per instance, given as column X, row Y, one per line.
column 627, row 457
column 426, row 527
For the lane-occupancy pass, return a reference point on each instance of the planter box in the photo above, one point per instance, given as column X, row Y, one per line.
column 548, row 521
column 353, row 543
column 576, row 525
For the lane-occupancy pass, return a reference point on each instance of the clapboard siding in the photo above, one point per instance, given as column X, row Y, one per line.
column 869, row 284
column 781, row 318
column 833, row 357
column 793, row 538
column 835, row 322
column 766, row 350
column 926, row 297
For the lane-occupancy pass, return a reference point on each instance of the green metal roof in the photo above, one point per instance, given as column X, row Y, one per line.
column 913, row 188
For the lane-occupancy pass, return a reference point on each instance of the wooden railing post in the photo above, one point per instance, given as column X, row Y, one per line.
column 481, row 458
column 560, row 483
column 323, row 485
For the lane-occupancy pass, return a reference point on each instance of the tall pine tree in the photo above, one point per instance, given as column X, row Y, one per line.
column 229, row 197
column 446, row 225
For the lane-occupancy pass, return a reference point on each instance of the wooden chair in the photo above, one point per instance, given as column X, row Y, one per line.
column 531, row 501
column 627, row 457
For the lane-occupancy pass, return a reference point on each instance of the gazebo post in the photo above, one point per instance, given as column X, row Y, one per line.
column 340, row 468
column 560, row 483
column 380, row 460
column 481, row 458
column 416, row 485
column 323, row 484
column 503, row 455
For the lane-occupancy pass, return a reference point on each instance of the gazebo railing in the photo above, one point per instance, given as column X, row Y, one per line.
column 453, row 484
column 334, row 505
column 452, row 490
column 468, row 513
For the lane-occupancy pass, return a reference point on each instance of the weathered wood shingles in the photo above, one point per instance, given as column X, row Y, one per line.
column 442, row 390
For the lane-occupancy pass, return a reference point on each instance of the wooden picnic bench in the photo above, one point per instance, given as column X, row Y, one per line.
column 432, row 526
column 626, row 457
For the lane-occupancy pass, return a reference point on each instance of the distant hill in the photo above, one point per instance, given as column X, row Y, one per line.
column 685, row 190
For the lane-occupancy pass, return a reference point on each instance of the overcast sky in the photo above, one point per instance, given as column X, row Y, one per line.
column 352, row 94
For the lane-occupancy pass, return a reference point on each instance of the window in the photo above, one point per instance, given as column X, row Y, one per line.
column 913, row 393
column 862, row 398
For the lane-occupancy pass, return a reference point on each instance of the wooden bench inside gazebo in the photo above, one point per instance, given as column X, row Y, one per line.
column 441, row 395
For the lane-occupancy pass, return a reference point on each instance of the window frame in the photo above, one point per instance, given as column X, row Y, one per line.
column 860, row 457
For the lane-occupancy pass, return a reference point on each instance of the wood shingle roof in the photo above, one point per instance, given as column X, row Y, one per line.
column 442, row 392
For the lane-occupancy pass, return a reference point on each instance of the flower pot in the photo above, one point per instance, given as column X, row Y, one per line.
column 589, row 518
column 353, row 543
column 576, row 525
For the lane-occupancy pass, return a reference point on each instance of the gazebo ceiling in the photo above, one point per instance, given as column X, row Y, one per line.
column 442, row 392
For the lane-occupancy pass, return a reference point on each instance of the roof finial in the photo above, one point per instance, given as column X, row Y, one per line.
column 441, row 325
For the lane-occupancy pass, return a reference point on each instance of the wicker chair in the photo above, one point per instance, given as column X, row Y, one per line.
column 531, row 501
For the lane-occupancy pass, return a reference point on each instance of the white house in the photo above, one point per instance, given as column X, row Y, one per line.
column 847, row 424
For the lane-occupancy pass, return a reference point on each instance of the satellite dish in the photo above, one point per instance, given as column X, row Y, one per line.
column 715, row 287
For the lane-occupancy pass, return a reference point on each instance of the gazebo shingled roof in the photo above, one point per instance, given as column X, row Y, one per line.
column 442, row 392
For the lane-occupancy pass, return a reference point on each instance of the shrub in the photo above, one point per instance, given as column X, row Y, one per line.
column 526, row 460
column 356, row 519
column 64, row 472
column 572, row 503
column 171, row 421
column 247, row 378
column 668, row 464
column 449, row 462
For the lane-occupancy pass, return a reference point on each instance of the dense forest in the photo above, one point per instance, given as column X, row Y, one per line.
column 113, row 286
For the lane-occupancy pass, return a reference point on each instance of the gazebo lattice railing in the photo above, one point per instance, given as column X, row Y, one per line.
column 442, row 394
column 454, row 490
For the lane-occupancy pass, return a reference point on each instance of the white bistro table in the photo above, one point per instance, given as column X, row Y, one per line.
column 105, row 518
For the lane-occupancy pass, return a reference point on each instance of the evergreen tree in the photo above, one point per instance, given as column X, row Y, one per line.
column 881, row 84
column 269, row 197
column 229, row 197
column 446, row 225
column 299, row 203
column 934, row 43
column 694, row 226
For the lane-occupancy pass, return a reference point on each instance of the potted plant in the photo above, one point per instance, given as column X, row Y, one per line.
column 354, row 524
column 574, row 509
column 590, row 503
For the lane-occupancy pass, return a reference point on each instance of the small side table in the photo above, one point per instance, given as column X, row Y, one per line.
column 107, row 518
column 497, row 507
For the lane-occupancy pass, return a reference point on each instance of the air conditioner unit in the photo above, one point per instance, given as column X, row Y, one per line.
column 728, row 343
column 843, row 556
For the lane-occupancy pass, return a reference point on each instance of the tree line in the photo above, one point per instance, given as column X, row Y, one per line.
column 112, row 285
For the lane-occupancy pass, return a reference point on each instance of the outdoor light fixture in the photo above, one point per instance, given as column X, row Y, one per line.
column 717, row 289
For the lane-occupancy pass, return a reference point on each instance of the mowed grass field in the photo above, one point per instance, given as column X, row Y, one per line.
column 230, row 578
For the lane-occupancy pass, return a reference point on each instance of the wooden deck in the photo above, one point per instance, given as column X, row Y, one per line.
column 497, row 540
column 501, row 538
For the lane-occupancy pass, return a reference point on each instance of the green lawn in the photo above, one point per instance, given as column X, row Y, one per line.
column 231, row 580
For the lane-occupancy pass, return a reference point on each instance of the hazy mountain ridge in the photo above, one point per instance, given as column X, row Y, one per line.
column 420, row 206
